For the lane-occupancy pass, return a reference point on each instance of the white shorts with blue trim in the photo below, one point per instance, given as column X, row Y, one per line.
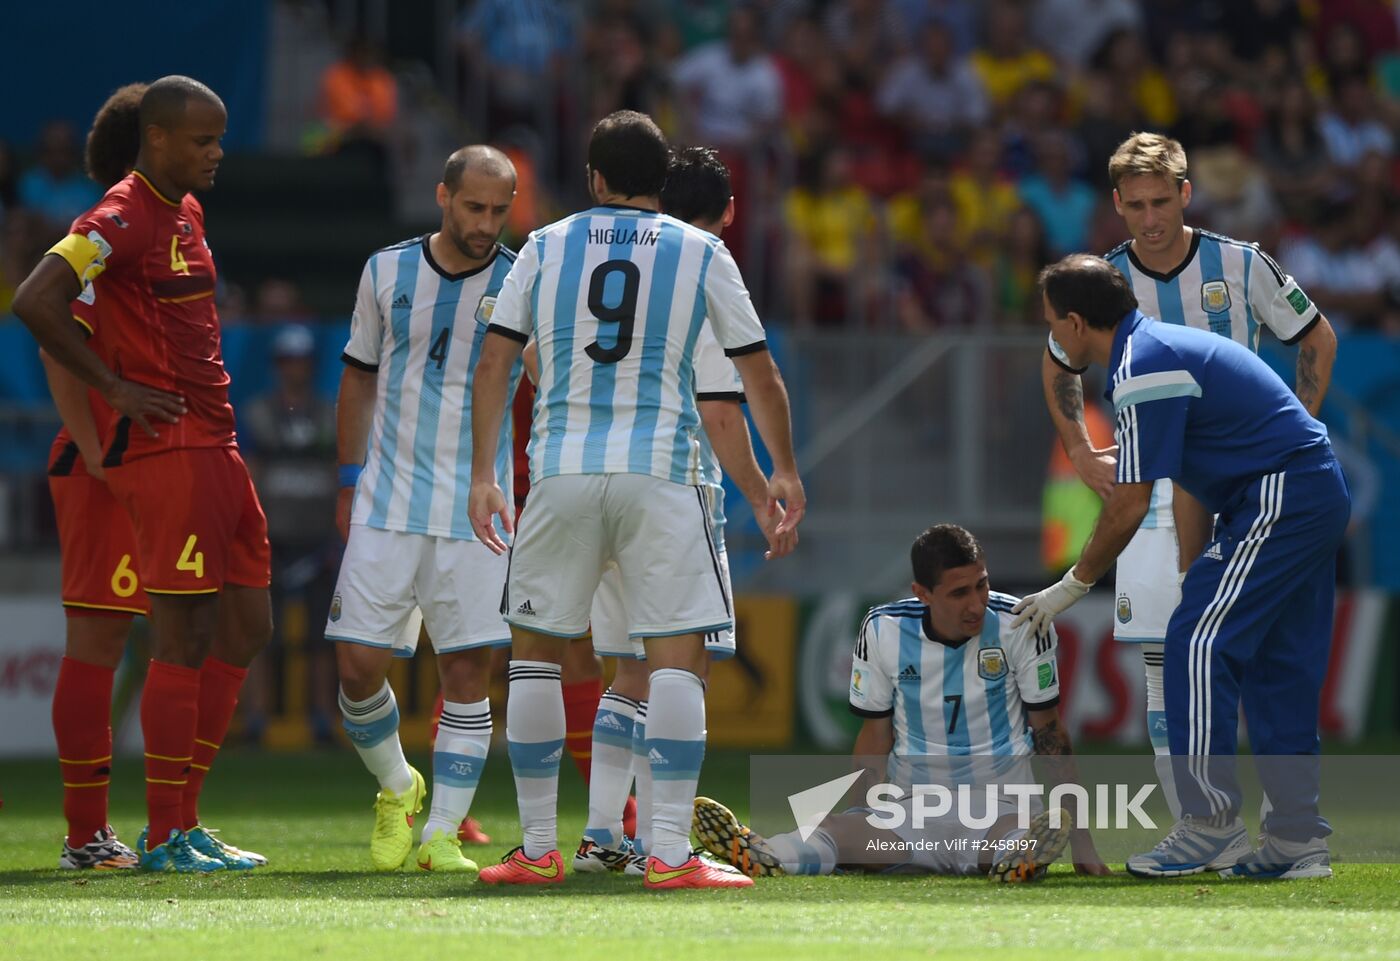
column 656, row 532
column 387, row 576
column 1146, row 589
column 609, row 619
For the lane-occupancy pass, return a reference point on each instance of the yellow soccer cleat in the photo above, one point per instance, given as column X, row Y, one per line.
column 392, row 840
column 1038, row 848
column 722, row 835
column 442, row 852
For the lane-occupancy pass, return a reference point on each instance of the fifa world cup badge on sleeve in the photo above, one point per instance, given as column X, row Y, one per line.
column 1045, row 675
column 991, row 664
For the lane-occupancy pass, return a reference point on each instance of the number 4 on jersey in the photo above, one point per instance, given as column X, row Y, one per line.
column 191, row 559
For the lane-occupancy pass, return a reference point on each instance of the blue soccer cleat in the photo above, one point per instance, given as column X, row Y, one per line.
column 1192, row 847
column 175, row 855
column 1280, row 860
column 203, row 840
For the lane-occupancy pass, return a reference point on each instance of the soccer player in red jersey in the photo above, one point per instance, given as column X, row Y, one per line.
column 101, row 588
column 171, row 458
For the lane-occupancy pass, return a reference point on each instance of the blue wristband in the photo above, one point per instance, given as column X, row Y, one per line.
column 350, row 474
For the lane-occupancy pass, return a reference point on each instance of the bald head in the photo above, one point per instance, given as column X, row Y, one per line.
column 166, row 100
column 478, row 159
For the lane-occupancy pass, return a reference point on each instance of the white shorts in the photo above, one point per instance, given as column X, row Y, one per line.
column 945, row 845
column 609, row 620
column 657, row 532
column 1146, row 588
column 386, row 576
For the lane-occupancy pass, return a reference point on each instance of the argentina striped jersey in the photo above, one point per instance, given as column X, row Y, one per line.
column 716, row 379
column 1225, row 286
column 616, row 298
column 968, row 699
column 421, row 329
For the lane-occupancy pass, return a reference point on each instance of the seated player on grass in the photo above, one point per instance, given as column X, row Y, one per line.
column 943, row 682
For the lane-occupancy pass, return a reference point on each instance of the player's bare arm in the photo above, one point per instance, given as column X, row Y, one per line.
column 1052, row 743
column 872, row 749
column 499, row 353
column 728, row 431
column 1193, row 526
column 354, row 409
column 1119, row 521
column 70, row 397
column 42, row 303
column 768, row 401
column 1064, row 398
column 1317, row 351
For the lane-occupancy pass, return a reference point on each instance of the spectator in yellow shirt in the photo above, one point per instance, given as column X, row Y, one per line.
column 985, row 199
column 829, row 221
column 1007, row 63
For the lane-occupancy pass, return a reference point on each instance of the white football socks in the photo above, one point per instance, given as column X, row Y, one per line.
column 641, row 772
column 373, row 726
column 611, row 777
column 459, row 754
column 675, row 742
column 535, row 736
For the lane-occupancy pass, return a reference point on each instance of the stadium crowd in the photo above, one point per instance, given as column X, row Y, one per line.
column 911, row 164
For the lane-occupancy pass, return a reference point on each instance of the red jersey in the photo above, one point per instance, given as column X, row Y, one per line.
column 153, row 274
column 61, row 458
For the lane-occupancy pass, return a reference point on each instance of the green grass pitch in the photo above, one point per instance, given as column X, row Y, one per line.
column 311, row 815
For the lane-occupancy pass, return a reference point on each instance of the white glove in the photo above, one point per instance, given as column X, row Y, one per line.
column 1041, row 609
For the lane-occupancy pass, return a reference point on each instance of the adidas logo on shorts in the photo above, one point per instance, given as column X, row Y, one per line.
column 1213, row 552
column 525, row 608
column 401, row 302
column 910, row 673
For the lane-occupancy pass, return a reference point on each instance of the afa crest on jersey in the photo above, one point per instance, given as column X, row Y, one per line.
column 335, row 608
column 1125, row 609
column 1215, row 297
column 991, row 664
column 484, row 309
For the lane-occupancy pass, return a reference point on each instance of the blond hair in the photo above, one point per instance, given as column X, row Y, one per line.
column 1148, row 153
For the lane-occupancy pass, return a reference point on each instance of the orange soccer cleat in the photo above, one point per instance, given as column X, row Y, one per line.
column 470, row 832
column 516, row 868
column 694, row 873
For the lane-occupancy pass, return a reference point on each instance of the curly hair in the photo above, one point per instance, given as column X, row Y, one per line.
column 115, row 137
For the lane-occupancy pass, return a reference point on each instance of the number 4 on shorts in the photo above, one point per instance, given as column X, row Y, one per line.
column 191, row 559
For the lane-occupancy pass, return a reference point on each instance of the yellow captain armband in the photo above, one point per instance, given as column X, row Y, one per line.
column 87, row 255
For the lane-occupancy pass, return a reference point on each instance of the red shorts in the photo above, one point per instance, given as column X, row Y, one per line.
column 197, row 518
column 96, row 542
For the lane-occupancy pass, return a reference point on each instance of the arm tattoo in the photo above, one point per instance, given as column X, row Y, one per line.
column 1051, row 739
column 1306, row 387
column 1053, row 746
column 1069, row 395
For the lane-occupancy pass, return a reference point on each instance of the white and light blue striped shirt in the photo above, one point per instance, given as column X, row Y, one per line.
column 951, row 700
column 616, row 298
column 716, row 378
column 1225, row 286
column 421, row 328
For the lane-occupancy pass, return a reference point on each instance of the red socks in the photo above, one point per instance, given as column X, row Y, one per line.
column 82, row 726
column 169, row 710
column 580, row 711
column 219, row 684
